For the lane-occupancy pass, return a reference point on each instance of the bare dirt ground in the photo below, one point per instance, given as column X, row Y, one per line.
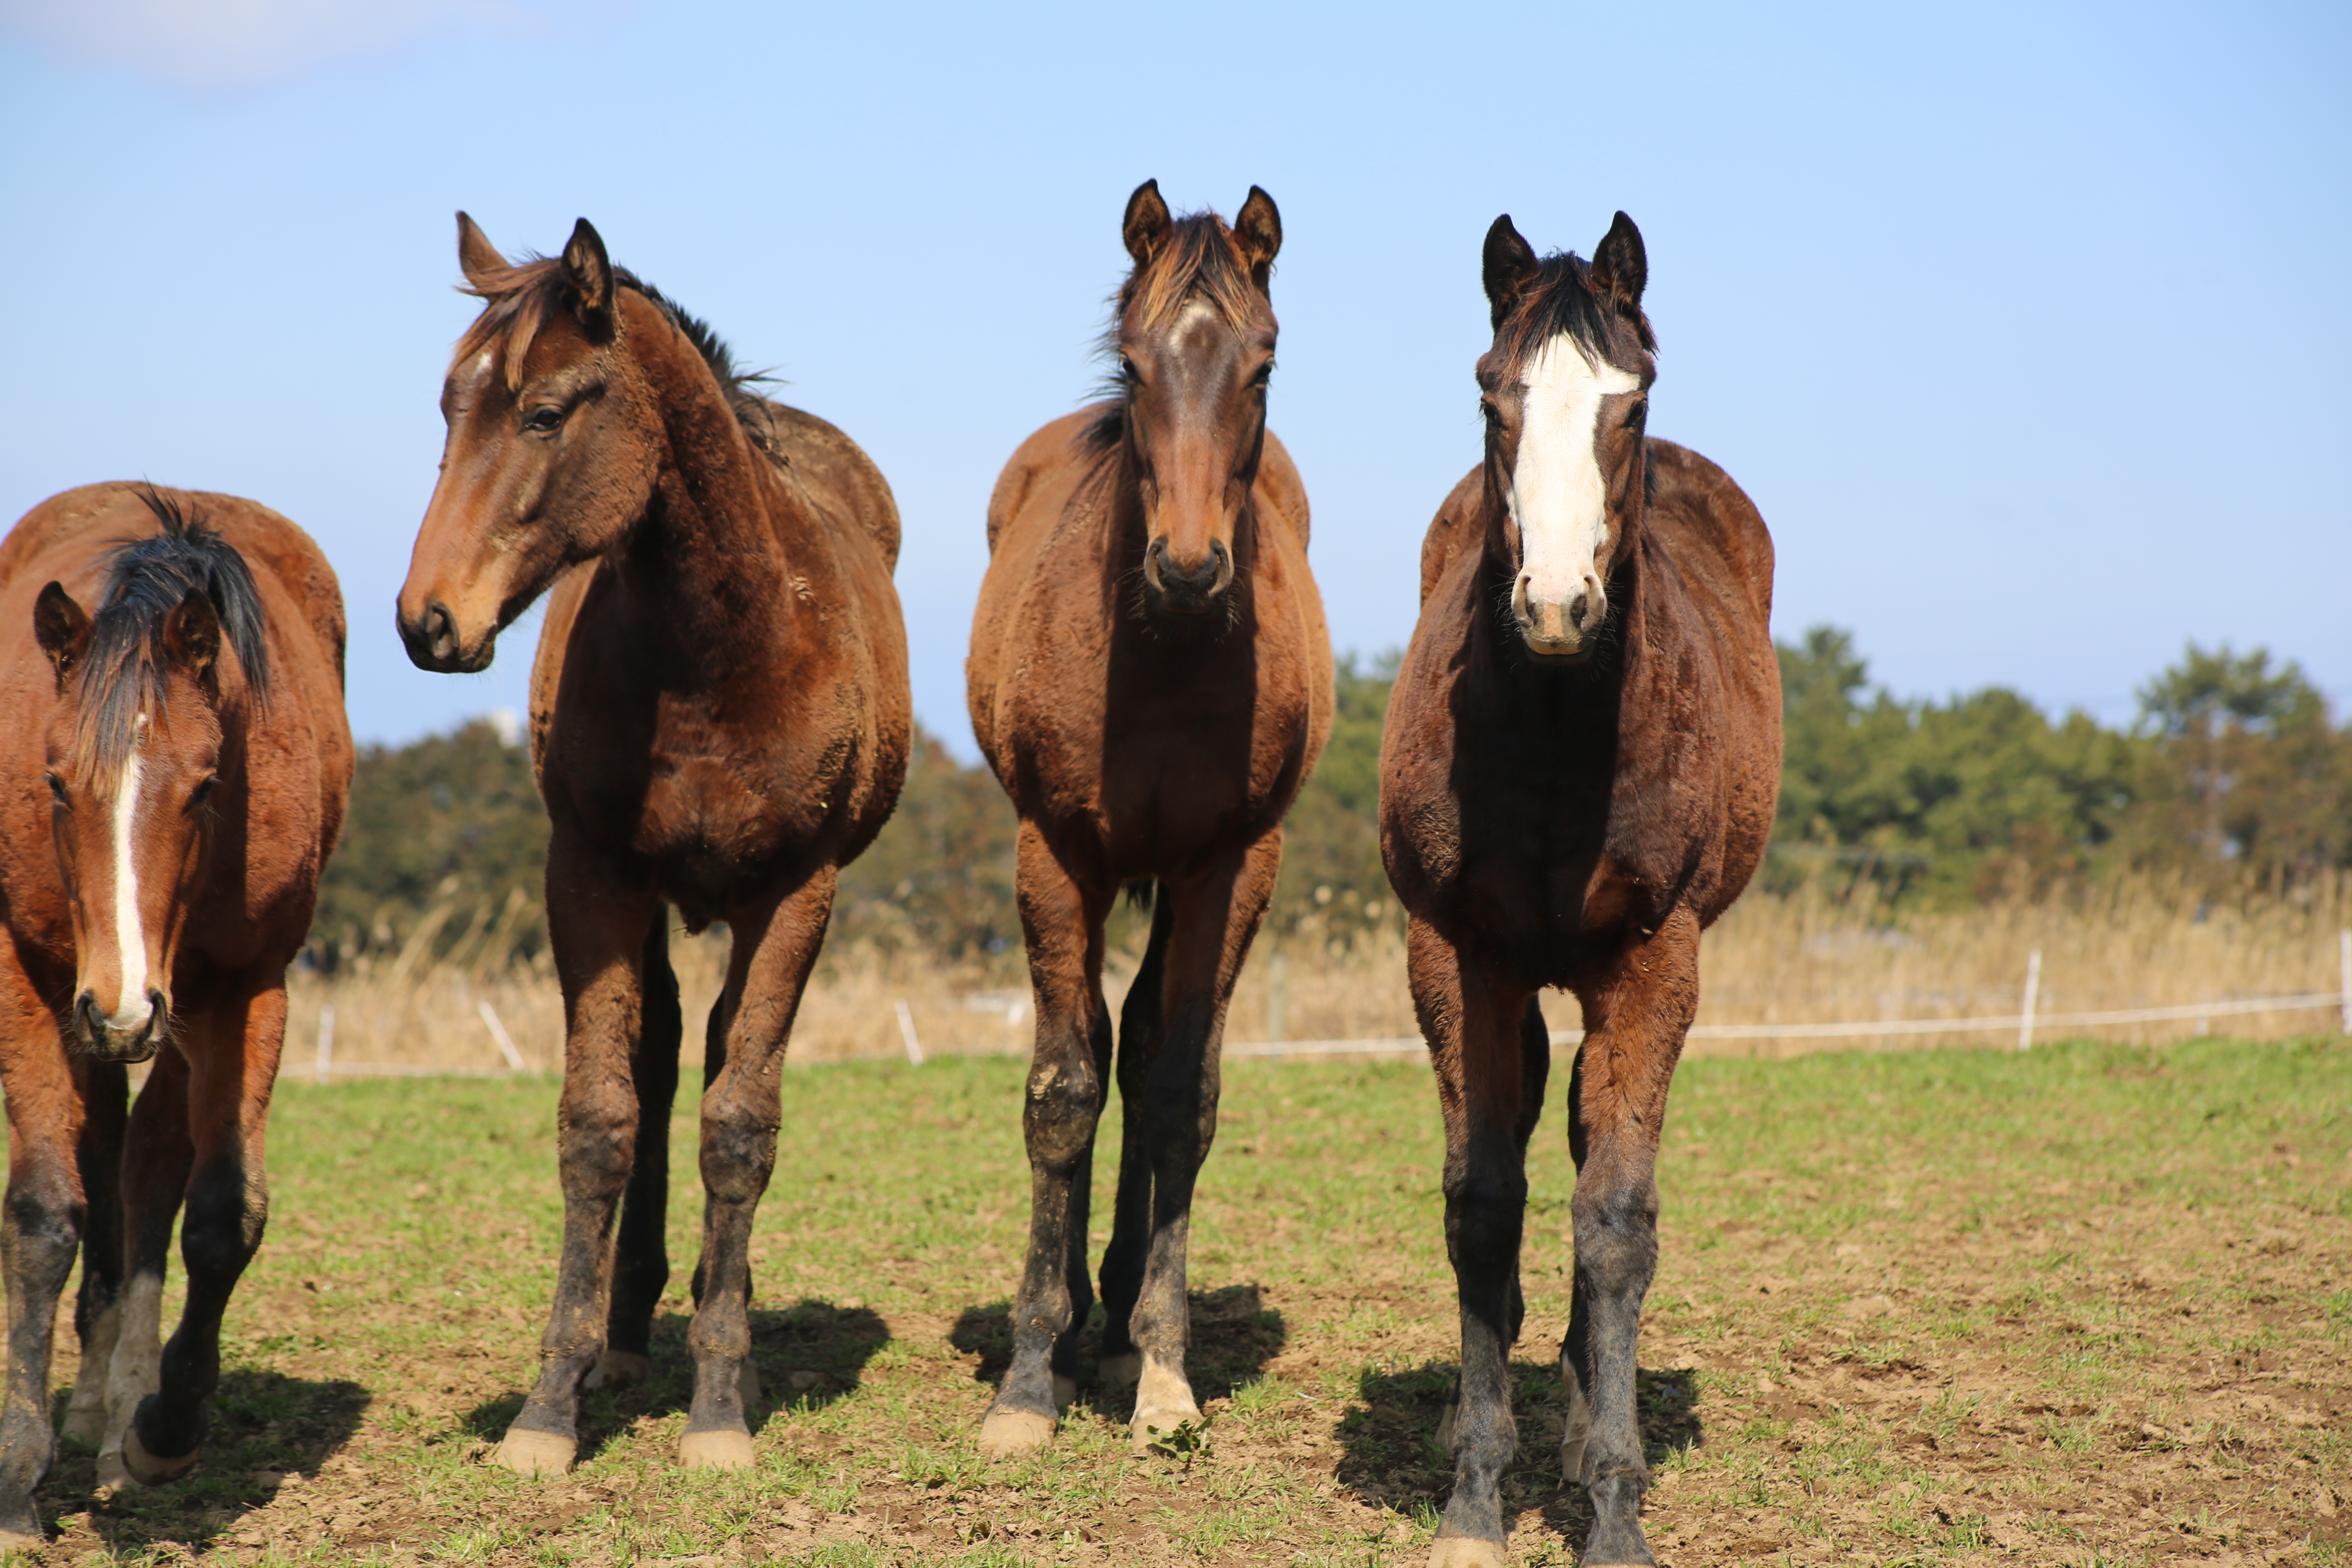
column 2089, row 1306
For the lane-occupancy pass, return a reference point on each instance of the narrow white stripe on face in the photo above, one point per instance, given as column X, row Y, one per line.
column 131, row 1007
column 1558, row 494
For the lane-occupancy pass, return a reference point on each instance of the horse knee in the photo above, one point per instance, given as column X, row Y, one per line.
column 42, row 1233
column 1059, row 1115
column 739, row 1152
column 597, row 1145
column 226, row 1213
column 1617, row 1236
column 1484, row 1217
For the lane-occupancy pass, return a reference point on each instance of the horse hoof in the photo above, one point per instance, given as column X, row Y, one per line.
column 147, row 1469
column 1009, row 1433
column 113, row 1475
column 1121, row 1372
column 1618, row 1542
column 1461, row 1551
column 620, row 1369
column 1158, row 1424
column 537, row 1452
column 1066, row 1392
column 85, row 1425
column 723, row 1450
column 1445, row 1424
column 747, row 1387
column 1571, row 1462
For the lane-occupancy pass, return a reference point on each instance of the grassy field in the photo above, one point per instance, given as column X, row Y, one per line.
column 2092, row 1305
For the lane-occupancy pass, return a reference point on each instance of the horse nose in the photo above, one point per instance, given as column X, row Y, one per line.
column 1189, row 585
column 432, row 638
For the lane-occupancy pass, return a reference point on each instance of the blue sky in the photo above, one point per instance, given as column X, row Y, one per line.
column 2025, row 326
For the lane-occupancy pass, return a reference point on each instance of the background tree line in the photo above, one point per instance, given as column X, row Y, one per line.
column 2235, row 775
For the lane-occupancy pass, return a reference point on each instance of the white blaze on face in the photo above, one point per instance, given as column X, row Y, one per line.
column 130, row 1005
column 1557, row 495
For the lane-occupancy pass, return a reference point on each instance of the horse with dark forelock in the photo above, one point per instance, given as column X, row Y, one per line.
column 1150, row 680
column 1582, row 757
column 174, row 769
column 719, row 721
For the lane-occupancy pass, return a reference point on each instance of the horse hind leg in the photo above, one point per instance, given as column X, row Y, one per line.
column 1140, row 1036
column 640, row 1256
column 1637, row 1017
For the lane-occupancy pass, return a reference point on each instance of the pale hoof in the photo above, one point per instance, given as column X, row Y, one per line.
column 537, row 1452
column 1066, row 1392
column 147, row 1469
column 747, row 1387
column 85, row 1426
column 1571, row 1462
column 620, row 1369
column 1121, row 1372
column 1445, row 1426
column 1158, row 1424
column 1461, row 1551
column 721, row 1450
column 1009, row 1433
column 113, row 1474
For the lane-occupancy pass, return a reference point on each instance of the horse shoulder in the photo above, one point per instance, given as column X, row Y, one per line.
column 1052, row 451
column 1037, row 488
column 1456, row 532
column 840, row 477
column 1280, row 489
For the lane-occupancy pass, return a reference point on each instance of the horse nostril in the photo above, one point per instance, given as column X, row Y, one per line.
column 440, row 630
column 1576, row 610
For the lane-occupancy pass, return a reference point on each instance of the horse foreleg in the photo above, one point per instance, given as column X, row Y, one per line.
column 40, row 1229
column 158, row 1153
column 1216, row 915
column 774, row 950
column 1636, row 1015
column 232, row 1051
column 98, row 1308
column 1477, row 1047
column 640, row 1252
column 1140, row 1032
column 1061, row 922
column 596, row 926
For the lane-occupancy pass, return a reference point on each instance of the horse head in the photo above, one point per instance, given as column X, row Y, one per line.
column 554, row 445
column 1565, row 391
column 136, row 747
column 1194, row 336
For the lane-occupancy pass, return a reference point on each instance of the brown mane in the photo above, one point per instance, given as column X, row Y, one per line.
column 1558, row 303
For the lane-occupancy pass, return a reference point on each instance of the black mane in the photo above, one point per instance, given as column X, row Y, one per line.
column 1558, row 303
column 146, row 579
column 736, row 384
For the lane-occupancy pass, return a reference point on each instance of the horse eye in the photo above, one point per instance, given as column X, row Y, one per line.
column 1489, row 413
column 1265, row 374
column 1635, row 414
column 543, row 419
column 56, row 786
column 1126, row 370
column 204, row 789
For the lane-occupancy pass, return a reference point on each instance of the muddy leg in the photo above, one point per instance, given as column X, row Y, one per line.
column 1063, row 923
column 1139, row 1037
column 640, row 1253
column 1636, row 1021
column 98, row 1309
column 157, row 1155
column 232, row 1051
column 596, row 926
column 1216, row 916
column 1535, row 1059
column 1476, row 1039
column 40, row 1227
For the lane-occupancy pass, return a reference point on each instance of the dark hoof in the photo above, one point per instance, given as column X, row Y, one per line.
column 1616, row 1521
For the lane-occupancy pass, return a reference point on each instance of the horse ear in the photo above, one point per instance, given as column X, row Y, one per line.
column 1259, row 231
column 1145, row 226
column 590, row 272
column 1510, row 265
column 1621, row 266
column 192, row 633
column 478, row 258
column 61, row 629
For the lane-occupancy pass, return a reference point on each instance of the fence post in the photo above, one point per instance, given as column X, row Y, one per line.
column 499, row 1036
column 2344, row 972
column 907, row 1033
column 1276, row 971
column 326, row 1043
column 2033, row 995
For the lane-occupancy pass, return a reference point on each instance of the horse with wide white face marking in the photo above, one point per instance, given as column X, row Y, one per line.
column 1582, row 757
column 173, row 775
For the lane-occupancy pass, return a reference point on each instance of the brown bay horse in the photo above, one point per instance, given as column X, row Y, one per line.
column 173, row 775
column 1150, row 680
column 1577, row 776
column 719, row 721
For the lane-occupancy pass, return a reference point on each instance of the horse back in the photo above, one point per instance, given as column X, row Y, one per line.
column 840, row 479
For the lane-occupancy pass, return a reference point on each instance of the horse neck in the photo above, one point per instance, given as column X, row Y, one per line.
column 716, row 533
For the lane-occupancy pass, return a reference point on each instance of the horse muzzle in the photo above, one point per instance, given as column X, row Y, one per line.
column 434, row 644
column 1559, row 630
column 116, row 1039
column 1187, row 588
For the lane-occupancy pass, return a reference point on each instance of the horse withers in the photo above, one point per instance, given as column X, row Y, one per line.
column 719, row 721
column 173, row 775
column 1577, row 776
column 1150, row 680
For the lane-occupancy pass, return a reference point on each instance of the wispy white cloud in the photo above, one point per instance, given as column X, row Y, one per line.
column 227, row 45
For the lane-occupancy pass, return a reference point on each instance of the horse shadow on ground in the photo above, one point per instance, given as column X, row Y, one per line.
column 1390, row 1455
column 808, row 1355
column 1235, row 1335
column 265, row 1427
